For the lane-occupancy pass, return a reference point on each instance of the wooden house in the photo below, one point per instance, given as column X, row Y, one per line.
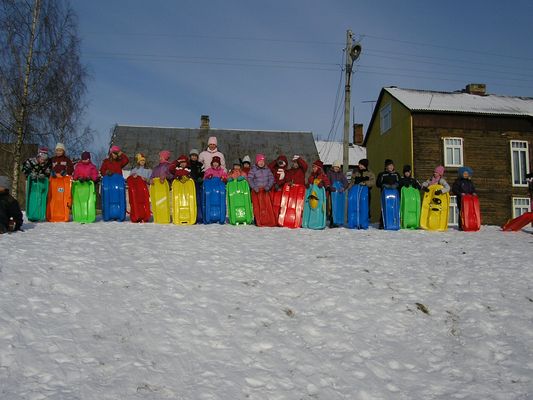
column 491, row 134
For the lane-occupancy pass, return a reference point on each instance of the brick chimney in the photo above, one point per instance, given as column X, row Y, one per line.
column 204, row 122
column 358, row 134
column 476, row 88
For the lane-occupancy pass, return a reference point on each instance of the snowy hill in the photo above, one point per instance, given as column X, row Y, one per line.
column 124, row 311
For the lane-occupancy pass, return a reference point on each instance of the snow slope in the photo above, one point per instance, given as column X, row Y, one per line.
column 124, row 311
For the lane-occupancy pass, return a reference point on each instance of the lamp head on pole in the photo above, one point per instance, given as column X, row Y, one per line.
column 355, row 51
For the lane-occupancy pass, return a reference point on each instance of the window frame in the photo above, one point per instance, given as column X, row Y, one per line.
column 515, row 206
column 453, row 212
column 385, row 114
column 448, row 163
column 524, row 150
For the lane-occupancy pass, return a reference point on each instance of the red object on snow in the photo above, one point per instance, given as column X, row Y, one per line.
column 292, row 206
column 519, row 222
column 263, row 211
column 139, row 199
column 470, row 214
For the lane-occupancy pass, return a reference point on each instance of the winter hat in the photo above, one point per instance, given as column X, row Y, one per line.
column 114, row 149
column 336, row 163
column 140, row 157
column 319, row 164
column 259, row 157
column 406, row 168
column 212, row 140
column 216, row 159
column 85, row 155
column 5, row 182
column 388, row 162
column 193, row 151
column 182, row 159
column 439, row 170
column 164, row 154
column 462, row 170
column 247, row 159
column 43, row 151
column 364, row 161
column 282, row 161
column 60, row 146
column 236, row 162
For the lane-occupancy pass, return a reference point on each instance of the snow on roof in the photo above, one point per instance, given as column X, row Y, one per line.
column 331, row 151
column 422, row 100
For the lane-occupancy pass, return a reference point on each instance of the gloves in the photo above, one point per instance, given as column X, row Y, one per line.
column 438, row 192
column 267, row 190
column 109, row 172
column 407, row 185
column 307, row 185
column 53, row 174
column 41, row 176
column 277, row 187
column 365, row 178
column 256, row 190
column 425, row 189
column 332, row 189
column 208, row 176
column 357, row 180
column 320, row 184
column 240, row 179
column 63, row 173
column 33, row 175
column 230, row 180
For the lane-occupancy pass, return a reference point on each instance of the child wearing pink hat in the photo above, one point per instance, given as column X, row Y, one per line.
column 115, row 162
column 38, row 167
column 162, row 170
column 437, row 179
column 206, row 156
column 260, row 176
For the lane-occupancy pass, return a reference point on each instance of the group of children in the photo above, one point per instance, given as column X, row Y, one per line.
column 211, row 163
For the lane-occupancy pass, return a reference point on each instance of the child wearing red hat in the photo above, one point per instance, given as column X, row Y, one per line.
column 216, row 170
column 180, row 168
column 318, row 177
column 115, row 162
column 85, row 170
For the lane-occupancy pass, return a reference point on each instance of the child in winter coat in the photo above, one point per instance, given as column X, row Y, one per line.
column 180, row 168
column 38, row 167
column 115, row 162
column 140, row 169
column 463, row 185
column 61, row 164
column 196, row 167
column 246, row 164
column 296, row 173
column 10, row 214
column 335, row 174
column 85, row 170
column 361, row 175
column 260, row 177
column 279, row 170
column 216, row 170
column 437, row 178
column 206, row 156
column 407, row 179
column 388, row 178
column 318, row 176
column 162, row 170
column 236, row 172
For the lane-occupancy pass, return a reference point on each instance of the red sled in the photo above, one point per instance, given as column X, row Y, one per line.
column 519, row 222
column 263, row 212
column 292, row 206
column 275, row 197
column 139, row 199
column 470, row 214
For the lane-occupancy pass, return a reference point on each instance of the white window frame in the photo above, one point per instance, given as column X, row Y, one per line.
column 453, row 212
column 526, row 169
column 526, row 207
column 385, row 118
column 453, row 146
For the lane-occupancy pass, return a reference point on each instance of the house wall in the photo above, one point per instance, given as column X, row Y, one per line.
column 394, row 144
column 6, row 166
column 486, row 149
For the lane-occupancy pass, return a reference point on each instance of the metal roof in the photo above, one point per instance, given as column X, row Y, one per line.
column 332, row 151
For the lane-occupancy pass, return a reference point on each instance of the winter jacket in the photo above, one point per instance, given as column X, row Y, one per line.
column 144, row 173
column 246, row 170
column 319, row 177
column 280, row 173
column 260, row 178
column 441, row 181
column 297, row 175
column 180, row 172
column 196, row 171
column 162, row 171
column 62, row 165
column 206, row 156
column 32, row 167
column 9, row 210
column 408, row 182
column 363, row 177
column 218, row 172
column 337, row 177
column 463, row 186
column 114, row 166
column 85, row 171
column 388, row 179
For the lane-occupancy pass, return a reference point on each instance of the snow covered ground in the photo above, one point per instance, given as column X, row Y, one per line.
column 124, row 311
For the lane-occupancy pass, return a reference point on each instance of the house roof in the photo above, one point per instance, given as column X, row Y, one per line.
column 332, row 151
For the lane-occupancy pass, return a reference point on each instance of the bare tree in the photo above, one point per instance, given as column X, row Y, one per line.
column 42, row 79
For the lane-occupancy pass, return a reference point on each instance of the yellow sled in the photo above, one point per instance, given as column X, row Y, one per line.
column 434, row 212
column 160, row 200
column 183, row 201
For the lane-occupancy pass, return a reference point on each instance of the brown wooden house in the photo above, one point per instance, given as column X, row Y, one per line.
column 491, row 134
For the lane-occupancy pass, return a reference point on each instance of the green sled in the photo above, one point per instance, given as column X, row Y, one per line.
column 410, row 208
column 36, row 195
column 83, row 202
column 239, row 202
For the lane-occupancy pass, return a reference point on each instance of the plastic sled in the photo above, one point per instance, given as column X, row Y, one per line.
column 183, row 202
column 36, row 195
column 139, row 198
column 263, row 211
column 214, row 201
column 114, row 198
column 338, row 202
column 83, row 202
column 470, row 213
column 314, row 216
column 275, row 198
column 410, row 208
column 59, row 199
column 160, row 201
column 358, row 207
column 239, row 202
column 519, row 222
column 292, row 206
column 434, row 210
column 390, row 209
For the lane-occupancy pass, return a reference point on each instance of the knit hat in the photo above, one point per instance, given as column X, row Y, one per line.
column 5, row 182
column 139, row 157
column 193, row 151
column 259, row 157
column 43, row 151
column 462, row 170
column 60, row 146
column 85, row 155
column 182, row 159
column 364, row 161
column 114, row 149
column 212, row 140
column 247, row 159
column 337, row 164
column 406, row 168
column 439, row 170
column 237, row 162
column 216, row 159
column 319, row 164
column 282, row 161
column 388, row 162
column 164, row 154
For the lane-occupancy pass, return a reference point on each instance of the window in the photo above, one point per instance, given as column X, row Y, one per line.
column 453, row 152
column 519, row 162
column 521, row 205
column 453, row 214
column 385, row 118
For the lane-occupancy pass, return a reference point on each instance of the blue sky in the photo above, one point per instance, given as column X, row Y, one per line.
column 275, row 65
